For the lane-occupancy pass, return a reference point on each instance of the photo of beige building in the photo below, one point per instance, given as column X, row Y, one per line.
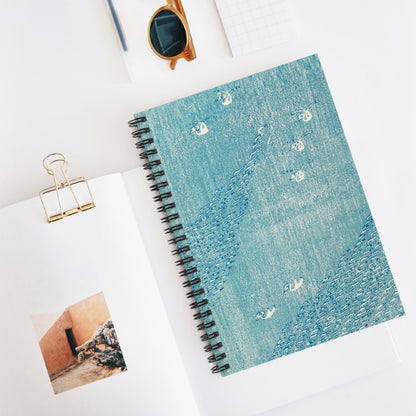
column 79, row 345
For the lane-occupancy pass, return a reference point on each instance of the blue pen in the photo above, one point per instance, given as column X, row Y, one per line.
column 117, row 25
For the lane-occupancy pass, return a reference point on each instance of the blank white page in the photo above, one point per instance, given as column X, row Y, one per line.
column 252, row 25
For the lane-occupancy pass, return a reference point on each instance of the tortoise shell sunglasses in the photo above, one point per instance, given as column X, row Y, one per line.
column 169, row 34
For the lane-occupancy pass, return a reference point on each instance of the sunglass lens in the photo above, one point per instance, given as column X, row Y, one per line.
column 167, row 34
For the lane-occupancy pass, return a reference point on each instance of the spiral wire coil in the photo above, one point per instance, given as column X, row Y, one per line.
column 161, row 187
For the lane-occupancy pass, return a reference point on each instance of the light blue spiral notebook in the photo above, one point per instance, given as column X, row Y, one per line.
column 267, row 216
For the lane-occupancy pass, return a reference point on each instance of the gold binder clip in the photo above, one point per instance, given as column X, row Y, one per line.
column 58, row 160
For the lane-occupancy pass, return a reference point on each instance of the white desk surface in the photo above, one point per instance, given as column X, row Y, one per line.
column 64, row 88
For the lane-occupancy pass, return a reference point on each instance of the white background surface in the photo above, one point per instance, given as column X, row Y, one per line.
column 64, row 87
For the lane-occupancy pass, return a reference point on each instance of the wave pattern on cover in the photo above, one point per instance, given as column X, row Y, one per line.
column 214, row 234
column 360, row 293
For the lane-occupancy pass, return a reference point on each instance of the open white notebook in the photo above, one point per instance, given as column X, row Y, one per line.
column 50, row 268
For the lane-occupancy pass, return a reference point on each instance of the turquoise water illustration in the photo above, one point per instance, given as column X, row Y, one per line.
column 275, row 217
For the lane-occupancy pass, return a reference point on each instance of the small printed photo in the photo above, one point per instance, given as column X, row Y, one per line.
column 79, row 345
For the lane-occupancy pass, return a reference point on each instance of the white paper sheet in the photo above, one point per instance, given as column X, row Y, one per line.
column 47, row 267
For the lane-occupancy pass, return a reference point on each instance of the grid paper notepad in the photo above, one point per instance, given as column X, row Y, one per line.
column 253, row 25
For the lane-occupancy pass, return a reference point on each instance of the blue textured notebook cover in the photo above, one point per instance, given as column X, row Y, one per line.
column 274, row 213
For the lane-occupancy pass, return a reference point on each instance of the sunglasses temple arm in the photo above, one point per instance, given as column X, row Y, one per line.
column 173, row 63
column 178, row 5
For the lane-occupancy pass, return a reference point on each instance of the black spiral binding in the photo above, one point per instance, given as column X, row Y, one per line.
column 157, row 175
